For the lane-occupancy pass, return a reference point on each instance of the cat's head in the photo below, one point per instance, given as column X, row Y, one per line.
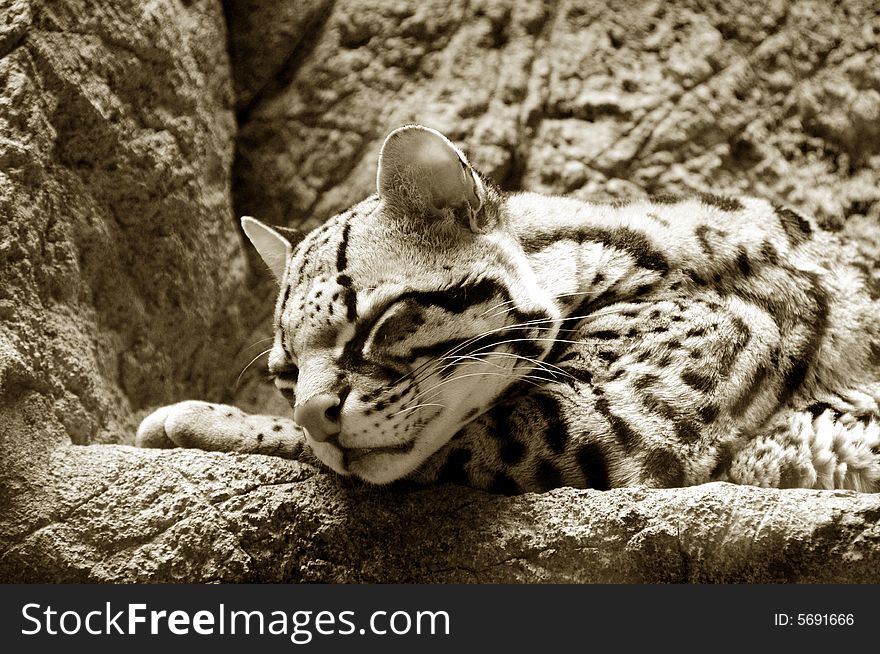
column 406, row 316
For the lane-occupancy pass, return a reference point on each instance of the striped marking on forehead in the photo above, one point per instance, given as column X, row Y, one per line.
column 342, row 248
column 313, row 265
column 349, row 294
column 310, row 263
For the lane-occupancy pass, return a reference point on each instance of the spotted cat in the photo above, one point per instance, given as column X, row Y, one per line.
column 444, row 330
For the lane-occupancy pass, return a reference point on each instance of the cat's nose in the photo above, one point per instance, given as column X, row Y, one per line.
column 319, row 415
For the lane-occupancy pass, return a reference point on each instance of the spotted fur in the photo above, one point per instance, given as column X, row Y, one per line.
column 442, row 330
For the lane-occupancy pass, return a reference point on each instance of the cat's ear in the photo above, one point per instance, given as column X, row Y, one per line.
column 421, row 168
column 273, row 246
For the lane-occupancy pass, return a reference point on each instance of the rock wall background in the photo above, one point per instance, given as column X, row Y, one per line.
column 132, row 136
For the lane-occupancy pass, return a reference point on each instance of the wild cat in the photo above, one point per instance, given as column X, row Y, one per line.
column 442, row 330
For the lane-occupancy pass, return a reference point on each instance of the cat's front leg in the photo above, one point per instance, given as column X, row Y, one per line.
column 220, row 428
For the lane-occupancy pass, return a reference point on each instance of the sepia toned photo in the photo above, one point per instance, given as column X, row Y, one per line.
column 441, row 292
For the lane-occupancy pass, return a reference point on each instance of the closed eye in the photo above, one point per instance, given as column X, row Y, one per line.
column 285, row 381
column 287, row 376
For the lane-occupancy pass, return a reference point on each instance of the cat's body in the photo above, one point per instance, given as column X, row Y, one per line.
column 441, row 330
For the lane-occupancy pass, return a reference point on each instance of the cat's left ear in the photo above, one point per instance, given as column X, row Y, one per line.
column 421, row 168
column 273, row 246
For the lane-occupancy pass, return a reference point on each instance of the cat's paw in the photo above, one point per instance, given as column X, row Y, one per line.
column 219, row 428
column 151, row 431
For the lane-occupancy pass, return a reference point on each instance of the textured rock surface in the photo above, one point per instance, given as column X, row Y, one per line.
column 780, row 99
column 124, row 285
column 144, row 515
column 116, row 227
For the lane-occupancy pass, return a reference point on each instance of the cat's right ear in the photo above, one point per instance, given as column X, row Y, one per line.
column 422, row 169
column 273, row 246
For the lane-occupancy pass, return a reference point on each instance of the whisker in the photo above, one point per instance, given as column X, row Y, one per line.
column 458, row 378
column 453, row 350
column 238, row 380
column 417, row 406
column 532, row 340
column 529, row 379
column 468, row 341
column 463, row 359
column 554, row 297
column 492, row 308
column 540, row 365
column 535, row 379
column 530, row 324
column 572, row 294
column 474, row 374
column 258, row 343
column 544, row 365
